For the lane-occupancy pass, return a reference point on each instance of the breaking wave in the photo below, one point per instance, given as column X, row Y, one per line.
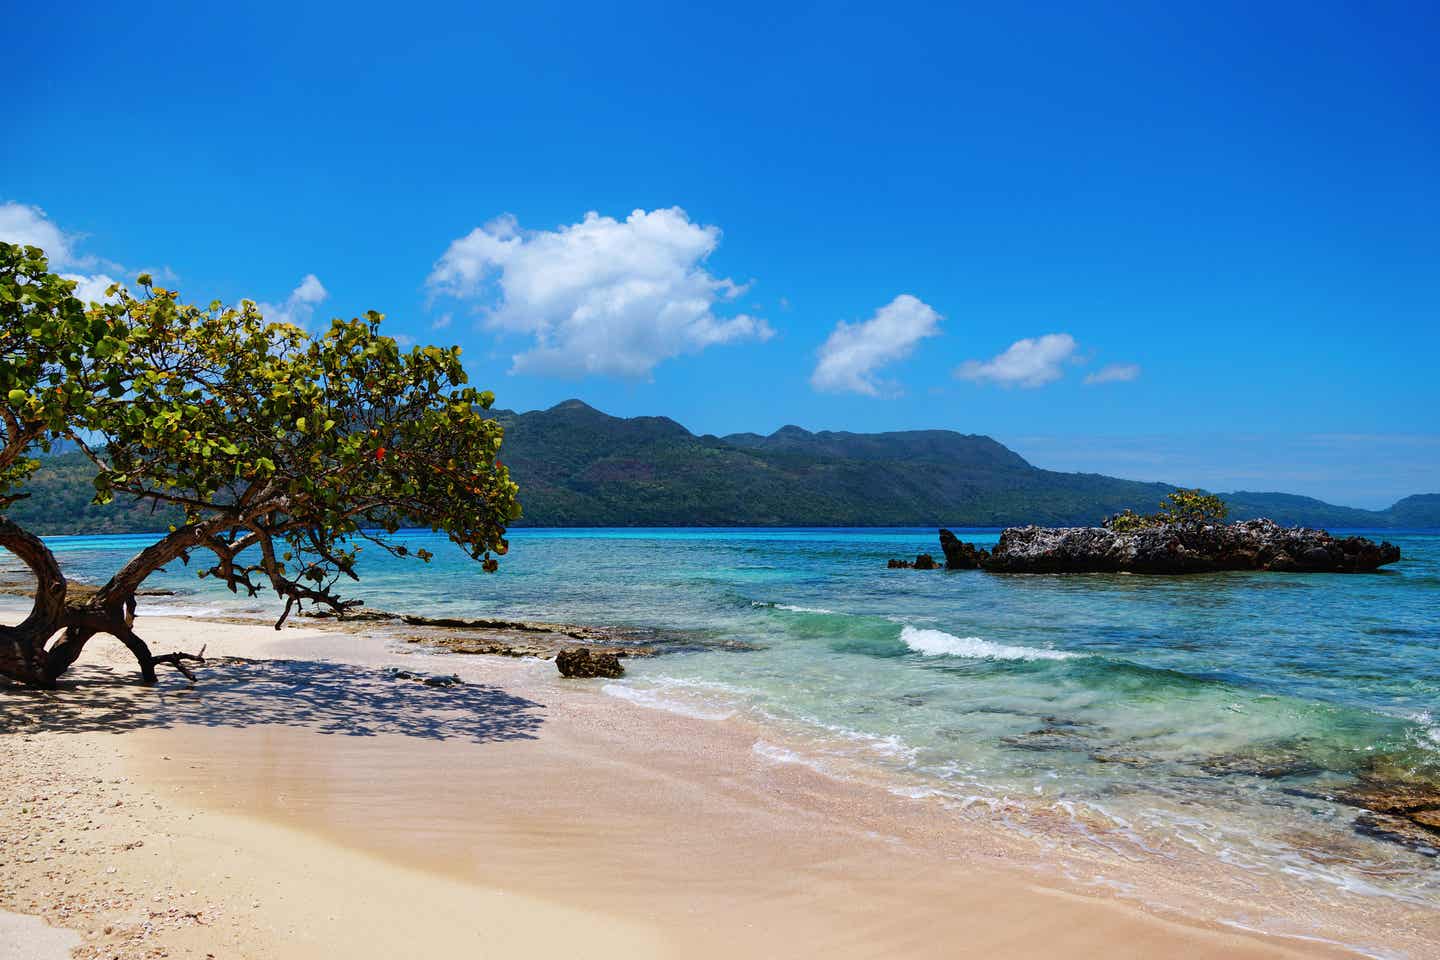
column 938, row 643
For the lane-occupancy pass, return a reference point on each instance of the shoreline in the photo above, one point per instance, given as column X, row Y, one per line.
column 646, row 822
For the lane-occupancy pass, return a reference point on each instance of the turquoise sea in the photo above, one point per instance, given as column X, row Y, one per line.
column 1196, row 717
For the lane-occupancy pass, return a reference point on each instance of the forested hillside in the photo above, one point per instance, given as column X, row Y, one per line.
column 577, row 466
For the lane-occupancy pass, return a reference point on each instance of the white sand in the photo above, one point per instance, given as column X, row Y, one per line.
column 315, row 807
column 30, row 938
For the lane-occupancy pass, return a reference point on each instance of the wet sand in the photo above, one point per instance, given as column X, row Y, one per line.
column 307, row 803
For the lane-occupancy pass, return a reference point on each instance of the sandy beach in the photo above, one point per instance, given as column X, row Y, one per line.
column 750, row 482
column 301, row 801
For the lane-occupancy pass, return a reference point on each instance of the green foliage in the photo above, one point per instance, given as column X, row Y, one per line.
column 1128, row 521
column 1192, row 506
column 302, row 447
column 52, row 361
column 60, row 499
column 1180, row 506
column 277, row 451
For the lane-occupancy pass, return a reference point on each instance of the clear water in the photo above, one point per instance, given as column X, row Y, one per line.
column 1131, row 713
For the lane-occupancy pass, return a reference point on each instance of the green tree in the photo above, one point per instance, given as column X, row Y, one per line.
column 1192, row 506
column 1128, row 521
column 285, row 452
column 49, row 349
column 1181, row 506
column 53, row 370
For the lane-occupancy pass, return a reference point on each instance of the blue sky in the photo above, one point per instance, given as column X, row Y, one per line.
column 851, row 217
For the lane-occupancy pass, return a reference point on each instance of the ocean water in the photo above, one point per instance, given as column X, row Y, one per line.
column 1193, row 718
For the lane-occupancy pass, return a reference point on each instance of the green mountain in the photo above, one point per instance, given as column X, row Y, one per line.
column 577, row 466
column 1289, row 509
column 59, row 502
column 1416, row 510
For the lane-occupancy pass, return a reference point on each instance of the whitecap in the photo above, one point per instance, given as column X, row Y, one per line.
column 795, row 608
column 938, row 643
column 1428, row 724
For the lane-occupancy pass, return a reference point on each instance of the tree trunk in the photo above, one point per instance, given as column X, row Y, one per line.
column 111, row 610
column 65, row 652
column 22, row 647
column 117, row 619
column 24, row 656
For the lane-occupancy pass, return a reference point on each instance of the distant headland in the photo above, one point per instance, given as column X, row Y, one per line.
column 578, row 466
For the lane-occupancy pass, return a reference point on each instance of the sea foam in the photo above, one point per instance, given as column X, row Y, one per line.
column 790, row 607
column 938, row 643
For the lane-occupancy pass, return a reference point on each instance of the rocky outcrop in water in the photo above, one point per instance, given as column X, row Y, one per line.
column 923, row 561
column 1399, row 801
column 1399, row 810
column 1176, row 548
column 960, row 555
column 1273, row 761
column 581, row 663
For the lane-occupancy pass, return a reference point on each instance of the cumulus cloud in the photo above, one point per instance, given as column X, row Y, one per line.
column 1032, row 362
column 1115, row 373
column 854, row 351
column 30, row 226
column 91, row 288
column 601, row 296
column 299, row 307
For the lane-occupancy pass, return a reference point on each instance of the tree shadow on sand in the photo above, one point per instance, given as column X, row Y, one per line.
column 334, row 698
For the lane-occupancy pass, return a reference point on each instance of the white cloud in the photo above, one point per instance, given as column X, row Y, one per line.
column 442, row 321
column 853, row 351
column 299, row 307
column 600, row 296
column 91, row 289
column 30, row 226
column 404, row 340
column 1032, row 362
column 310, row 291
column 1115, row 373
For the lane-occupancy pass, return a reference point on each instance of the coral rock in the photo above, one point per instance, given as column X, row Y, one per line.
column 581, row 663
column 1185, row 548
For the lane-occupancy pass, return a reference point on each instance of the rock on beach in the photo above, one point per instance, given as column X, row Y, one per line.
column 582, row 664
